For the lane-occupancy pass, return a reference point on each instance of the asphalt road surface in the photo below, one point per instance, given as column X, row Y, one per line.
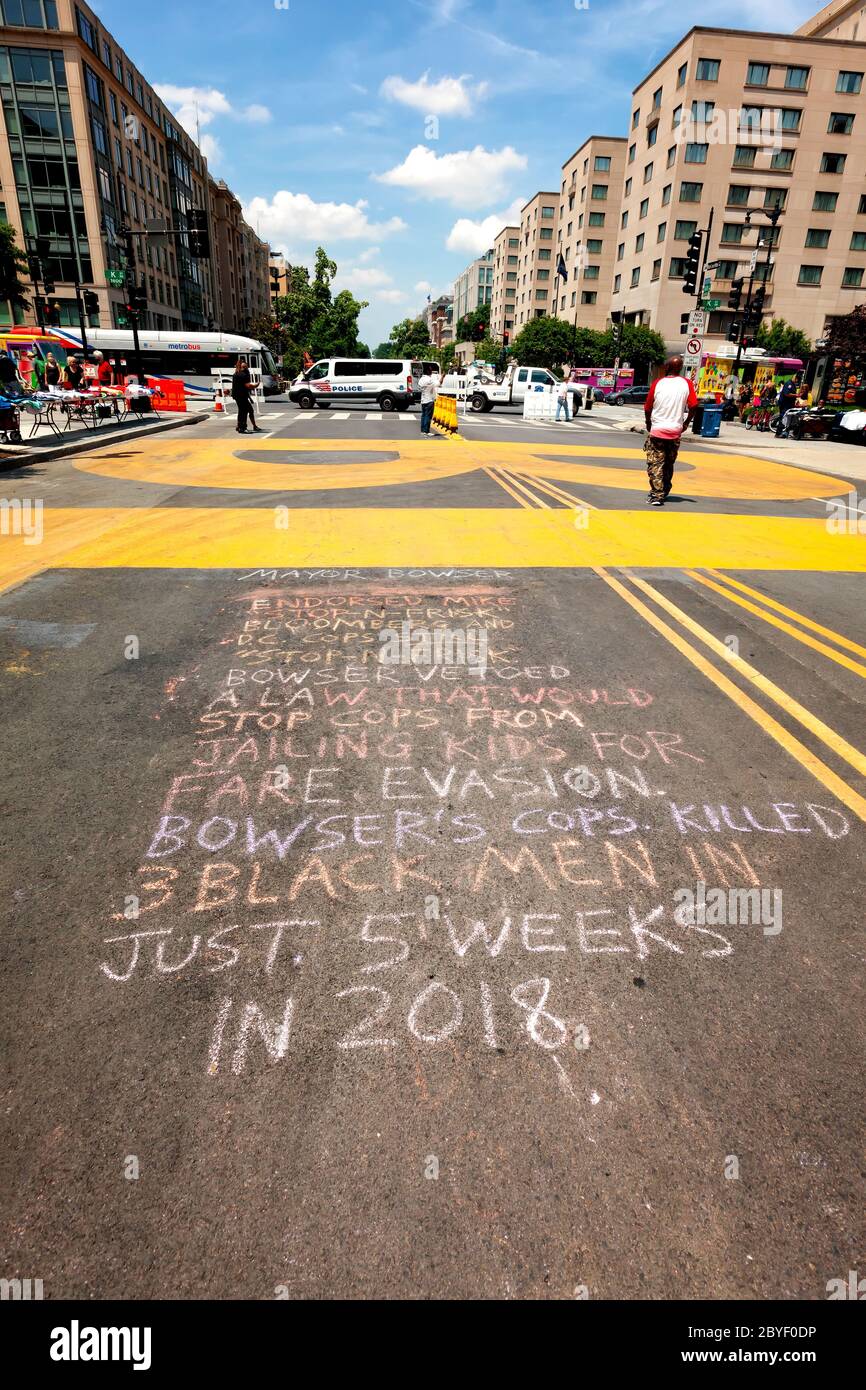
column 428, row 871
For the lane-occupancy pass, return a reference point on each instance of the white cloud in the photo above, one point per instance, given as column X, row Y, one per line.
column 256, row 113
column 200, row 106
column 292, row 218
column 391, row 296
column 368, row 255
column 211, row 149
column 450, row 96
column 366, row 277
column 467, row 178
column 423, row 287
column 474, row 238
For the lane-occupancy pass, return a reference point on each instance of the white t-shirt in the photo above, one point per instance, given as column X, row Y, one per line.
column 427, row 387
column 669, row 399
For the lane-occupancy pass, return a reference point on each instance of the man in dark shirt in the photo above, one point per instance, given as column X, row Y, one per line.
column 241, row 386
column 9, row 381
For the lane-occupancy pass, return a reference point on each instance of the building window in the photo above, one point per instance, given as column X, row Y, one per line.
column 691, row 192
column 732, row 232
column 677, row 116
column 631, row 150
column 852, row 278
column 849, row 82
column 702, row 111
column 682, row 74
column 543, row 274
column 677, row 268
column 697, row 154
column 623, row 221
column 782, row 159
column 666, row 195
column 791, row 117
column 738, row 194
column 635, row 118
column 599, row 192
column 858, row 241
column 547, row 212
column 100, row 139
column 727, row 270
column 85, row 30
column 647, row 173
column 590, row 272
column 810, row 275
column 683, row 230
column 657, row 270
column 620, row 251
column 672, row 154
column 594, row 247
column 825, row 202
column 589, row 297
column 635, row 277
column 541, row 294
column 817, row 236
column 840, row 123
column 546, row 234
column 744, row 157
column 661, row 231
column 544, row 253
column 757, row 74
column 617, row 281
column 657, row 98
column 832, row 163
column 797, row 78
column 652, row 135
column 601, row 164
column 707, row 70
column 93, row 86
column 638, row 243
column 627, row 192
column 596, row 219
column 644, row 208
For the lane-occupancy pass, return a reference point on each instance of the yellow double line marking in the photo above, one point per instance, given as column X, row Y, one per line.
column 792, row 745
column 531, row 492
column 720, row 584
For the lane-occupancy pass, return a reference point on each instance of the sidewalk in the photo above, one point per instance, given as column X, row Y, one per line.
column 48, row 444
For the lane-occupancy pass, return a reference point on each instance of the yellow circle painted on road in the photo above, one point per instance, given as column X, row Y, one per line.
column 220, row 464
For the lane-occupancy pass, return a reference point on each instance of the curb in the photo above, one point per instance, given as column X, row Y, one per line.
column 19, row 455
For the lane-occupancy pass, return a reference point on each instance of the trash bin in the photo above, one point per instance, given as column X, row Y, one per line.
column 697, row 419
column 711, row 421
column 587, row 400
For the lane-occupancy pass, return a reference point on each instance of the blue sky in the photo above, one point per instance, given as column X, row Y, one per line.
column 317, row 114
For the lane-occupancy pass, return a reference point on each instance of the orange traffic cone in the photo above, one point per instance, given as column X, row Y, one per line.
column 218, row 405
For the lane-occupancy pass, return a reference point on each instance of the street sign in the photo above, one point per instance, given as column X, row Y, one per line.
column 697, row 323
column 694, row 348
column 753, row 261
column 708, row 280
column 711, row 303
column 114, row 277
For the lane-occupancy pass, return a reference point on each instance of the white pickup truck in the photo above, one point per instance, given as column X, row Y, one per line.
column 483, row 391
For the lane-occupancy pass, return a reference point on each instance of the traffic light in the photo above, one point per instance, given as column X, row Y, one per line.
column 684, row 325
column 199, row 236
column 49, row 286
column 757, row 307
column 136, row 301
column 736, row 293
column 52, row 315
column 479, row 332
column 91, row 302
column 693, row 263
column 734, row 332
column 506, row 338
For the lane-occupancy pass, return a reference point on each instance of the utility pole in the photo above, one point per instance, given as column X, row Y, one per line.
column 133, row 296
column 85, row 347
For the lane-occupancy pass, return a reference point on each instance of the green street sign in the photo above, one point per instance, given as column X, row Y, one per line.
column 711, row 303
column 115, row 277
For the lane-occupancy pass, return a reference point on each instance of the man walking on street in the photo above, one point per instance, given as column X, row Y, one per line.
column 428, row 393
column 668, row 408
column 562, row 398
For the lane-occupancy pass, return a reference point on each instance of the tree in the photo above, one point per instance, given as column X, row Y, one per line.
column 465, row 330
column 334, row 332
column 543, row 343
column 266, row 329
column 12, row 263
column 847, row 334
column 781, row 339
column 488, row 350
column 641, row 346
column 408, row 336
column 384, row 350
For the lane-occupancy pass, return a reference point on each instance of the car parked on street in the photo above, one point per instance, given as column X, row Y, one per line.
column 632, row 395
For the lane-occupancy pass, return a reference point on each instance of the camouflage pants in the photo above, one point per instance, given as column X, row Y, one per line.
column 661, row 455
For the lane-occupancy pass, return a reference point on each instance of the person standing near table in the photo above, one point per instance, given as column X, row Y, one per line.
column 74, row 374
column 52, row 371
column 9, row 378
column 242, row 385
column 104, row 373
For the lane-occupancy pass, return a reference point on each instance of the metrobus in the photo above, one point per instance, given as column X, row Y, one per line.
column 187, row 357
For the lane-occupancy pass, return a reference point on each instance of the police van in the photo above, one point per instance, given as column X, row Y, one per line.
column 389, row 382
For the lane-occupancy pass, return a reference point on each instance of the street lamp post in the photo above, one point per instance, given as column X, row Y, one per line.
column 773, row 214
